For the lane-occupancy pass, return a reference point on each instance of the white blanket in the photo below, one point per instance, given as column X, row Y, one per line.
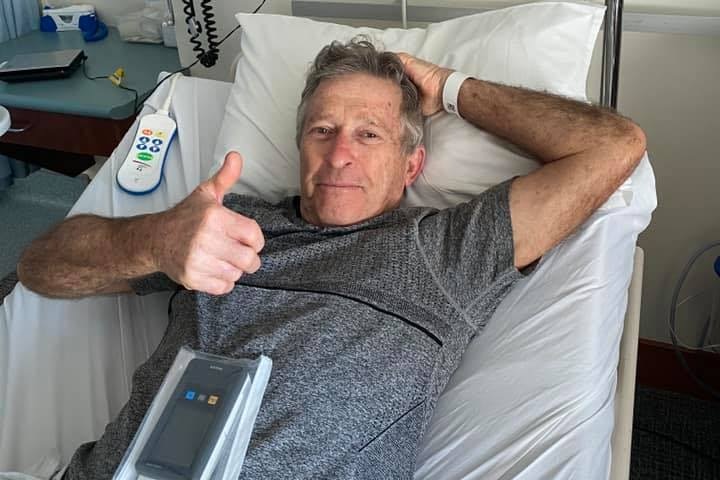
column 532, row 398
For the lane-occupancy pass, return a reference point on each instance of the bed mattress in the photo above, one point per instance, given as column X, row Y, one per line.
column 532, row 398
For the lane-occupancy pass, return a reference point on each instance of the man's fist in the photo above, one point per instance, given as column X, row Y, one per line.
column 430, row 80
column 204, row 246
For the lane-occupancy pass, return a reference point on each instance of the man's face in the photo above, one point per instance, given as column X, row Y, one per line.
column 351, row 162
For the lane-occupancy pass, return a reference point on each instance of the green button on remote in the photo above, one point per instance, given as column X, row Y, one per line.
column 144, row 156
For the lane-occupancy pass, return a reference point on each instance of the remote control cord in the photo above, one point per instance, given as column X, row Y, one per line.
column 105, row 77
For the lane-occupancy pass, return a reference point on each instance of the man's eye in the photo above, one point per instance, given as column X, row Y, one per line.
column 321, row 130
column 369, row 135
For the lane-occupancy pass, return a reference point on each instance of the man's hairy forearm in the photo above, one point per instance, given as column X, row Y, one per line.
column 545, row 125
column 87, row 255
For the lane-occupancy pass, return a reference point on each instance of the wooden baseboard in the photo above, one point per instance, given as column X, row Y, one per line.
column 659, row 367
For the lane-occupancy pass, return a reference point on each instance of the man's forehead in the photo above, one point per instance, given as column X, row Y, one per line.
column 369, row 99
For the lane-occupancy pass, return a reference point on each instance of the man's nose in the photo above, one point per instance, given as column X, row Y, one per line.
column 341, row 153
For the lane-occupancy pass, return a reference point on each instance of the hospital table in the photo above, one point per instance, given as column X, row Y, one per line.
column 71, row 119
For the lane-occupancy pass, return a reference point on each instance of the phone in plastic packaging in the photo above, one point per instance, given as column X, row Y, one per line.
column 199, row 424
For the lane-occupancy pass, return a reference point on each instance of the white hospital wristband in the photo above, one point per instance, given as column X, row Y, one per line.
column 451, row 91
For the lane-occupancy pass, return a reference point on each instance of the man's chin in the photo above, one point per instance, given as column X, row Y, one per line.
column 340, row 219
column 338, row 207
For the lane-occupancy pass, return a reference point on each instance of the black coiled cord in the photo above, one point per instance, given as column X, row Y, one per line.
column 194, row 29
column 209, row 58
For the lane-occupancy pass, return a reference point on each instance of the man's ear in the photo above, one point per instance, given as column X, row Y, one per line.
column 415, row 164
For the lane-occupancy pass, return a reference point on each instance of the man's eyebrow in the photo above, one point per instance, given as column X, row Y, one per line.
column 375, row 122
column 316, row 117
column 370, row 120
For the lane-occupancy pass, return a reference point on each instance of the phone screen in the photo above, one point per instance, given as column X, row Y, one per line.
column 180, row 441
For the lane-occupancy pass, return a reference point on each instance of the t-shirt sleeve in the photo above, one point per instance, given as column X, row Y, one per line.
column 469, row 248
column 153, row 283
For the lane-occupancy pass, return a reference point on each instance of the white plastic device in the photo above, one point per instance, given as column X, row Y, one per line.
column 68, row 18
column 4, row 120
column 199, row 423
column 142, row 170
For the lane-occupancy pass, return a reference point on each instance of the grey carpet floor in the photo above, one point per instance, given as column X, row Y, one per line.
column 30, row 207
column 675, row 437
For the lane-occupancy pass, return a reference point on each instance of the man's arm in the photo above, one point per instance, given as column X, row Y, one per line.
column 87, row 255
column 198, row 243
column 588, row 152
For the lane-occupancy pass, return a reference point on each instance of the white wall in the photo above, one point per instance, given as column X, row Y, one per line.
column 670, row 85
column 676, row 7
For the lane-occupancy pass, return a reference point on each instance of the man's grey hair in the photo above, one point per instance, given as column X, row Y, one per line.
column 359, row 55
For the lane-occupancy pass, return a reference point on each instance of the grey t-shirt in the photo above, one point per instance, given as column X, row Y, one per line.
column 364, row 324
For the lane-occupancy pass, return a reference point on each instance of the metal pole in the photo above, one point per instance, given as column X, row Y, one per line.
column 170, row 9
column 611, row 53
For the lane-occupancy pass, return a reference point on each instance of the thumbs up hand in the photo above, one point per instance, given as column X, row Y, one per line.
column 204, row 246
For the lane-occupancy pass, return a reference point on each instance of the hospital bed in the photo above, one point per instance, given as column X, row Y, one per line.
column 546, row 391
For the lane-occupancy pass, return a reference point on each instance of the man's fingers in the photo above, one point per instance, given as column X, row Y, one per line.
column 215, row 286
column 223, row 257
column 404, row 57
column 409, row 65
column 225, row 178
column 217, row 277
column 244, row 259
column 233, row 257
column 245, row 230
column 414, row 66
column 228, row 272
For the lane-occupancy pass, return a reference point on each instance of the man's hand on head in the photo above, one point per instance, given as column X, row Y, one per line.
column 205, row 246
column 430, row 80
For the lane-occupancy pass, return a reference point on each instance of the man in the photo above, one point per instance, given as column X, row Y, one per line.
column 364, row 308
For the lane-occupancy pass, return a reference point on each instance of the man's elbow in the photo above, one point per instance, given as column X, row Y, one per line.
column 26, row 273
column 33, row 273
column 22, row 268
column 633, row 143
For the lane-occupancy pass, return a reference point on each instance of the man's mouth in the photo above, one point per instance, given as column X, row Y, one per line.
column 339, row 185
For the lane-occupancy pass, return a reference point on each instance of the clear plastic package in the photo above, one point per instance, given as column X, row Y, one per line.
column 145, row 25
column 199, row 423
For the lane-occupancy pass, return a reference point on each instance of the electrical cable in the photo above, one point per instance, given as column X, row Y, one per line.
column 135, row 102
column 164, row 110
column 189, row 10
column 210, row 33
column 179, row 70
column 105, row 77
column 704, row 346
column 681, row 443
column 257, row 9
column 193, row 28
column 671, row 320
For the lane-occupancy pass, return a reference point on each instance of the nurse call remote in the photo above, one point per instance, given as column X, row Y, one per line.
column 142, row 169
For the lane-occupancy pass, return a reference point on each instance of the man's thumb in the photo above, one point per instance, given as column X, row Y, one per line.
column 225, row 178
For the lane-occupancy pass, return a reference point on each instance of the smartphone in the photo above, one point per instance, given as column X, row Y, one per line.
column 186, row 441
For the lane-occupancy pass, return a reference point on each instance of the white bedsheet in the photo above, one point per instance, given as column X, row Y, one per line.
column 533, row 397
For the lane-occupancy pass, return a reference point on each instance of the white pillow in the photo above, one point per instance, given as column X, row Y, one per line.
column 544, row 46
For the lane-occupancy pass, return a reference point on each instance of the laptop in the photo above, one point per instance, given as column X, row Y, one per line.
column 40, row 66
